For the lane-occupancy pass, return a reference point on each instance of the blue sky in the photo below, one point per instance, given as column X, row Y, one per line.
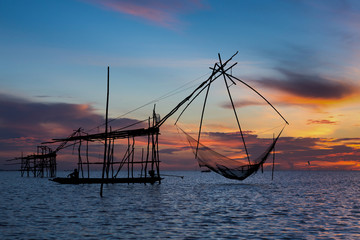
column 303, row 55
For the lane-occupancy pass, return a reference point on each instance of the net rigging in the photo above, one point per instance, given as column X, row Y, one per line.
column 205, row 156
column 208, row 157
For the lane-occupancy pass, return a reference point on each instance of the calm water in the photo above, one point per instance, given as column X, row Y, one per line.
column 296, row 205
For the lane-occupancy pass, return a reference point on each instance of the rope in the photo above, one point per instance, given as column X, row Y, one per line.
column 165, row 96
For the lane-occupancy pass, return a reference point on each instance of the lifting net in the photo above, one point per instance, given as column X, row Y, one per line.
column 225, row 166
column 206, row 156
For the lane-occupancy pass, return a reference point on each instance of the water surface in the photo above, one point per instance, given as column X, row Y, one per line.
column 295, row 205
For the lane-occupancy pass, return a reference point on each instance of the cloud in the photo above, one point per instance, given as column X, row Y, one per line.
column 326, row 151
column 291, row 152
column 310, row 86
column 174, row 150
column 346, row 12
column 20, row 117
column 309, row 76
column 323, row 121
column 242, row 103
column 25, row 124
column 161, row 12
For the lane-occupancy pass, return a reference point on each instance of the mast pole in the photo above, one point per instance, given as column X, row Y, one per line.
column 202, row 113
column 273, row 165
column 233, row 106
column 106, row 132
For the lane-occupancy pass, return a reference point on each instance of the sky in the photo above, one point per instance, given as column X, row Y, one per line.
column 301, row 55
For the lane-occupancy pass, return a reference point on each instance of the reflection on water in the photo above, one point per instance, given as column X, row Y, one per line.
column 296, row 205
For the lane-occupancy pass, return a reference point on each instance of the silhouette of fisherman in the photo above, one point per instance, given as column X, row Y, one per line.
column 152, row 173
column 74, row 174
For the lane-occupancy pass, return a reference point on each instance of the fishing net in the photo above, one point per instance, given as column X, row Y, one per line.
column 223, row 165
column 206, row 156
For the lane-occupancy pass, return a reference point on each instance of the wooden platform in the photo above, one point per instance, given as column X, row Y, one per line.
column 151, row 180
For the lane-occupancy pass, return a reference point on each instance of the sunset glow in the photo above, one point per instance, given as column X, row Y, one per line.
column 302, row 56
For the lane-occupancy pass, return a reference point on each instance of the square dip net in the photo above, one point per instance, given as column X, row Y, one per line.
column 223, row 165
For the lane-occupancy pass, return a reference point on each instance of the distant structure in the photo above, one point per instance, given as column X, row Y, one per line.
column 41, row 164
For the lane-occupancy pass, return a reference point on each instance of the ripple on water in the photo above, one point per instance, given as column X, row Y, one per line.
column 296, row 205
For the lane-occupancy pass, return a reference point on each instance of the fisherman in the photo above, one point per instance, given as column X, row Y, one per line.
column 152, row 173
column 74, row 174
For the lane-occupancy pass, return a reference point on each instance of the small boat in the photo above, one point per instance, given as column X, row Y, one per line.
column 66, row 180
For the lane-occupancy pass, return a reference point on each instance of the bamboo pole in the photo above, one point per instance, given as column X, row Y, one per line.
column 232, row 104
column 128, row 158
column 202, row 114
column 132, row 157
column 80, row 165
column 158, row 157
column 273, row 166
column 87, row 158
column 142, row 162
column 106, row 132
column 112, row 158
column 148, row 150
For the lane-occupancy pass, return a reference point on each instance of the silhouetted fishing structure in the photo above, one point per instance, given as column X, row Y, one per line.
column 148, row 164
column 146, row 169
column 209, row 158
column 40, row 164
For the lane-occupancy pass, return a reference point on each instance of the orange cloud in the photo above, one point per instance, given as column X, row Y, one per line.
column 337, row 165
column 323, row 121
column 310, row 90
column 315, row 103
column 18, row 129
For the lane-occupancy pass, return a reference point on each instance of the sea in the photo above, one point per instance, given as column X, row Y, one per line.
column 294, row 205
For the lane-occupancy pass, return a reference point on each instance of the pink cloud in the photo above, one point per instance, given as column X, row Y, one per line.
column 25, row 124
column 163, row 13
